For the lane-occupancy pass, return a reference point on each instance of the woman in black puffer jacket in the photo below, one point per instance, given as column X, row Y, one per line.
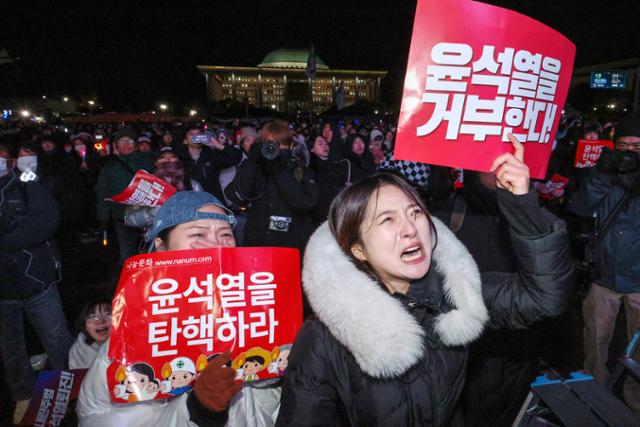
column 398, row 298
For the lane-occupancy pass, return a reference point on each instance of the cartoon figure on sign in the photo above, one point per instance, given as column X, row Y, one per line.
column 180, row 373
column 248, row 364
column 280, row 359
column 137, row 383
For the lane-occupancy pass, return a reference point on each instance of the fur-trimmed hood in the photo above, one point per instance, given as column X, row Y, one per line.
column 378, row 330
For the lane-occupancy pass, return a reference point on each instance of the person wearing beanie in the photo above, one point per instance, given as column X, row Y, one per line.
column 612, row 193
column 114, row 178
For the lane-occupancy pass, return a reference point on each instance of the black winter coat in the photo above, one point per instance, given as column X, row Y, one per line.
column 206, row 170
column 377, row 360
column 29, row 217
column 275, row 191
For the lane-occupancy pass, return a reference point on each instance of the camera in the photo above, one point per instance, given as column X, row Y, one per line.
column 279, row 223
column 270, row 150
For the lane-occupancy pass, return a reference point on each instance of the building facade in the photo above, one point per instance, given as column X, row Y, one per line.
column 279, row 82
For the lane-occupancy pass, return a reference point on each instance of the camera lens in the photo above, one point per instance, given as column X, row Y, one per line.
column 270, row 150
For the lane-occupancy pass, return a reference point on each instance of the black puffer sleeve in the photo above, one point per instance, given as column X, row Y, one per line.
column 544, row 283
column 308, row 397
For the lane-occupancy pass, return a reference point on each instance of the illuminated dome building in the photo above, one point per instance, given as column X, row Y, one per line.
column 279, row 82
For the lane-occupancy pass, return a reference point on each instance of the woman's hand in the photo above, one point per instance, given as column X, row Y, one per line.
column 510, row 171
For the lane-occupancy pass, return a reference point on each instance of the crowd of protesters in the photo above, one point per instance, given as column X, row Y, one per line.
column 279, row 180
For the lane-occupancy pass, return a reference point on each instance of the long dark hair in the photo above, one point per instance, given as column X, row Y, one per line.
column 349, row 209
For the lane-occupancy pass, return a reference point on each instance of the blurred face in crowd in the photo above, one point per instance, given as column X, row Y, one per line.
column 98, row 323
column 47, row 146
column 125, row 145
column 327, row 132
column 247, row 142
column 167, row 139
column 591, row 136
column 188, row 138
column 6, row 164
column 358, row 147
column 144, row 147
column 321, row 147
column 222, row 137
column 628, row 143
column 168, row 163
column 25, row 152
column 203, row 233
column 395, row 238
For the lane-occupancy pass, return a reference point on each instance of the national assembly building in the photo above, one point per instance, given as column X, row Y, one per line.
column 279, row 82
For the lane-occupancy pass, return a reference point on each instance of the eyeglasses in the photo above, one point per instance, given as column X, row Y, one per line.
column 95, row 318
column 126, row 141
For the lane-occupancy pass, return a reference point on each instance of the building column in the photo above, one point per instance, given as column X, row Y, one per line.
column 233, row 87
column 378, row 89
column 333, row 89
column 259, row 95
column 310, row 91
column 357, row 90
column 207, row 79
column 286, row 98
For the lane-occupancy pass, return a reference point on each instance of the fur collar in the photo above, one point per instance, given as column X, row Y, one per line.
column 382, row 335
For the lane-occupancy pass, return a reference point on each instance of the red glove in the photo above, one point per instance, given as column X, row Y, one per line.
column 215, row 387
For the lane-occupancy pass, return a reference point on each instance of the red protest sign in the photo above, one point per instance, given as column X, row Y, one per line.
column 475, row 74
column 553, row 188
column 51, row 396
column 588, row 152
column 173, row 311
column 145, row 190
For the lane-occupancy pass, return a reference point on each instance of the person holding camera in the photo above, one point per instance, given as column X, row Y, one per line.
column 612, row 193
column 206, row 155
column 281, row 190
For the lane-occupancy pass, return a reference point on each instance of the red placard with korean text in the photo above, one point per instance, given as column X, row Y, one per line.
column 174, row 311
column 588, row 152
column 475, row 74
column 145, row 190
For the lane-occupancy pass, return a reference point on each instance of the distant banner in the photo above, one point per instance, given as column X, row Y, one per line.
column 554, row 188
column 51, row 396
column 475, row 74
column 145, row 190
column 588, row 152
column 175, row 311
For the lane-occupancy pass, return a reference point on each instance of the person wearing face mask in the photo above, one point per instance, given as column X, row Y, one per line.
column 29, row 274
column 188, row 220
column 114, row 178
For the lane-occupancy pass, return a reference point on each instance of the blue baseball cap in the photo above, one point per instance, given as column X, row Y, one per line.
column 184, row 206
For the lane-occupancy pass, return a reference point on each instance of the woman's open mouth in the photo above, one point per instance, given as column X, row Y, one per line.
column 412, row 255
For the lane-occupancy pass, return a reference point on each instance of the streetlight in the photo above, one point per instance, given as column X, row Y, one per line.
column 25, row 113
column 44, row 96
column 273, row 106
column 92, row 103
column 192, row 112
column 163, row 107
column 65, row 99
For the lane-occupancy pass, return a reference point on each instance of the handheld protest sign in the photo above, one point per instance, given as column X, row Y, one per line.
column 145, row 190
column 53, row 392
column 588, row 152
column 475, row 74
column 174, row 311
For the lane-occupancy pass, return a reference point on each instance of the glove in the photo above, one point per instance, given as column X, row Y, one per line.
column 608, row 161
column 215, row 387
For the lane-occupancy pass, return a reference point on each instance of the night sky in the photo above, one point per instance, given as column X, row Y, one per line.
column 142, row 55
